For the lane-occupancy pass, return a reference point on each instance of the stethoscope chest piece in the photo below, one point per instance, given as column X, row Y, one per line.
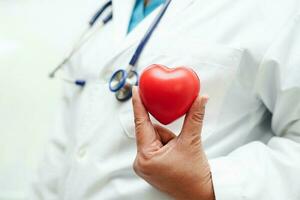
column 121, row 83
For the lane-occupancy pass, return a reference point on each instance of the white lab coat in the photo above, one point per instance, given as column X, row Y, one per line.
column 247, row 55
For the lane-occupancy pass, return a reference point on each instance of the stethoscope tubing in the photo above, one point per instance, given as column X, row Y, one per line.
column 120, row 78
column 148, row 35
column 99, row 13
column 121, row 81
column 85, row 37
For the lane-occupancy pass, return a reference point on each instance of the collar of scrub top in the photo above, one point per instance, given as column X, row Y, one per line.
column 122, row 81
column 147, row 36
column 141, row 11
column 87, row 35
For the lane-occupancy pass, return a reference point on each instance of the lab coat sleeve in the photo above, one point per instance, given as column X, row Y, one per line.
column 48, row 180
column 258, row 171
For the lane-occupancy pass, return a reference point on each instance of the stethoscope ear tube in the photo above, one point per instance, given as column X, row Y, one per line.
column 122, row 81
column 99, row 13
column 85, row 36
column 52, row 73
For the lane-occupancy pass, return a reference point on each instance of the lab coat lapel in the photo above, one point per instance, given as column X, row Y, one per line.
column 178, row 6
column 137, row 33
column 122, row 12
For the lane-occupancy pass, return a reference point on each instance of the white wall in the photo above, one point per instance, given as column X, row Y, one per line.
column 34, row 34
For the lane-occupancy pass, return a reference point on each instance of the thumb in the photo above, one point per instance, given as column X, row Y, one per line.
column 144, row 131
column 193, row 122
column 165, row 134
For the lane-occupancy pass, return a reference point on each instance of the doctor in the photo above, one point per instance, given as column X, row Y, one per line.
column 247, row 54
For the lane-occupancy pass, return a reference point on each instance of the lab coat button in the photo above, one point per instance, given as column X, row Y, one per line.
column 81, row 152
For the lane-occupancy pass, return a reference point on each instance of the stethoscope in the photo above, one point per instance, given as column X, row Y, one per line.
column 122, row 81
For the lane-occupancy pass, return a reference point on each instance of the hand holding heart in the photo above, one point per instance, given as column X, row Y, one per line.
column 176, row 165
column 168, row 93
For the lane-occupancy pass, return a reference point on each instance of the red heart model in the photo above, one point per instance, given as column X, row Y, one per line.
column 168, row 93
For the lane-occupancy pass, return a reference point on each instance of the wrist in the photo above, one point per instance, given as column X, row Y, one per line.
column 207, row 190
column 203, row 190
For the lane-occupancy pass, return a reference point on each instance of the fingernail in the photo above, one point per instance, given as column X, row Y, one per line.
column 134, row 90
column 205, row 99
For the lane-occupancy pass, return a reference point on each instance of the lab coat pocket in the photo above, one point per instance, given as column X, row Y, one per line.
column 127, row 122
column 216, row 65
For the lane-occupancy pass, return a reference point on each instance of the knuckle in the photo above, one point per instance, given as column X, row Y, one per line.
column 193, row 140
column 142, row 166
column 134, row 101
column 196, row 140
column 139, row 121
column 198, row 117
column 136, row 167
column 139, row 124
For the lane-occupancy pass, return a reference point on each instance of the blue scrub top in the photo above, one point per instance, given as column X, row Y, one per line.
column 140, row 12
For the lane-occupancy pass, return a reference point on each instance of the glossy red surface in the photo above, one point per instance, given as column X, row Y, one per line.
column 168, row 93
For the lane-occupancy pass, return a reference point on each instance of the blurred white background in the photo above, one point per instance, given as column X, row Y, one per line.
column 34, row 36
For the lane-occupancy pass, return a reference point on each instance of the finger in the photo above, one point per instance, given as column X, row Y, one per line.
column 145, row 133
column 165, row 134
column 194, row 118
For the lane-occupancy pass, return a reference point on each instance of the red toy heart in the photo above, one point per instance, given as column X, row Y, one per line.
column 168, row 93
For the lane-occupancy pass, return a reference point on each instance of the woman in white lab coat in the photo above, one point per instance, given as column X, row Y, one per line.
column 247, row 55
